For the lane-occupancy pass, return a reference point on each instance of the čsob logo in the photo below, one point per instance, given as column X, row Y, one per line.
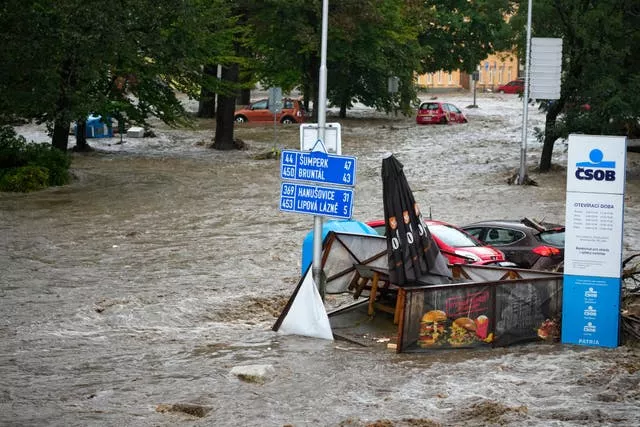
column 596, row 168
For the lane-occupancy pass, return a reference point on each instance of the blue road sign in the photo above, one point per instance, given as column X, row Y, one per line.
column 318, row 167
column 316, row 200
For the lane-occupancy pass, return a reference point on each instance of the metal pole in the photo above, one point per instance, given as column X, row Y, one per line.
column 322, row 113
column 525, row 103
column 474, row 93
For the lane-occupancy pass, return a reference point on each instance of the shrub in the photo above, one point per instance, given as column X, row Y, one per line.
column 25, row 179
column 12, row 148
column 55, row 161
column 23, row 164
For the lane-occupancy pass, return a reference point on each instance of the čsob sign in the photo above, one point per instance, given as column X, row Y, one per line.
column 596, row 169
column 593, row 240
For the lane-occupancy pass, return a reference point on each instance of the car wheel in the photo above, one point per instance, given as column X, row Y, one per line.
column 443, row 121
column 287, row 121
column 240, row 119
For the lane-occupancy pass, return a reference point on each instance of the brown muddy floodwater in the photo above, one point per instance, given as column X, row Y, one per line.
column 164, row 264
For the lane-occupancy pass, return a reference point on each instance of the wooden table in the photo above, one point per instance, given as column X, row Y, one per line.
column 378, row 275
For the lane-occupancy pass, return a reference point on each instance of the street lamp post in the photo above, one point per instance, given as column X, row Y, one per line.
column 525, row 102
column 316, row 268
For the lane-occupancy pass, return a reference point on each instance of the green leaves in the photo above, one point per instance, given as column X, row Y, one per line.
column 69, row 58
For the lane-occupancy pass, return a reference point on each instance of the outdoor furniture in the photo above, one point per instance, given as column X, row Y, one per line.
column 382, row 293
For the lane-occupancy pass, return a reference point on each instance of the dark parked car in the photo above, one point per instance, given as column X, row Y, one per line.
column 526, row 243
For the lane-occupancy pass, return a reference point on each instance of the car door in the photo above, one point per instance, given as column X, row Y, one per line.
column 511, row 242
column 260, row 111
column 455, row 115
column 451, row 116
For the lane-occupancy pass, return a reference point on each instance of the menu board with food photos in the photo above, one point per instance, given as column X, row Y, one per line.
column 451, row 317
column 480, row 315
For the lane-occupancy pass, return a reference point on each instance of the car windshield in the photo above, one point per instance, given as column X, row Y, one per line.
column 553, row 237
column 451, row 236
column 429, row 106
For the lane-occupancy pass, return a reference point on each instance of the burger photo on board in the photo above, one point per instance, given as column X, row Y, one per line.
column 463, row 332
column 432, row 326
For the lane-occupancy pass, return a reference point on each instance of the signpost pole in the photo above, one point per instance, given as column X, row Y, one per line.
column 322, row 113
column 474, row 94
column 475, row 76
column 525, row 103
column 275, row 106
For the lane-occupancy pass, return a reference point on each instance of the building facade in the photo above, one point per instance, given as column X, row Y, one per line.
column 495, row 70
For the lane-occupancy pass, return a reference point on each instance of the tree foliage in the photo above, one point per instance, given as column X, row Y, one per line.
column 370, row 41
column 461, row 33
column 69, row 58
column 600, row 60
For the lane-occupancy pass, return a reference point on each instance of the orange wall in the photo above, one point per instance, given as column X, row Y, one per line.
column 497, row 69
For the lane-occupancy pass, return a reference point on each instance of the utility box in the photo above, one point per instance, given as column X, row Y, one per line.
column 135, row 132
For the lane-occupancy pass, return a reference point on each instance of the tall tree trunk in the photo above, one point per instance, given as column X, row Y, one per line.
column 314, row 73
column 62, row 120
column 223, row 139
column 550, row 134
column 60, row 139
column 81, row 136
column 207, row 104
column 343, row 109
column 245, row 97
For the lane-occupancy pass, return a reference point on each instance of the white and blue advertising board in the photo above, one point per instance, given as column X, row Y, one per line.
column 593, row 240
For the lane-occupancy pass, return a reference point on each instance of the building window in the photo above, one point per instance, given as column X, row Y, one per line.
column 429, row 78
column 439, row 77
column 450, row 78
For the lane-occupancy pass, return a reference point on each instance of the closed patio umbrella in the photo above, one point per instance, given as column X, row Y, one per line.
column 413, row 254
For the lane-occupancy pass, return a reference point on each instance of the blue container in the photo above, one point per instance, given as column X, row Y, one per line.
column 348, row 226
column 96, row 128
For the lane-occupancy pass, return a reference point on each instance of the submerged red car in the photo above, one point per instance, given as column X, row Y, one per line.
column 458, row 246
column 432, row 112
column 514, row 86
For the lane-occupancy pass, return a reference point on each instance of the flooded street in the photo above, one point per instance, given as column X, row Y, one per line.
column 164, row 264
